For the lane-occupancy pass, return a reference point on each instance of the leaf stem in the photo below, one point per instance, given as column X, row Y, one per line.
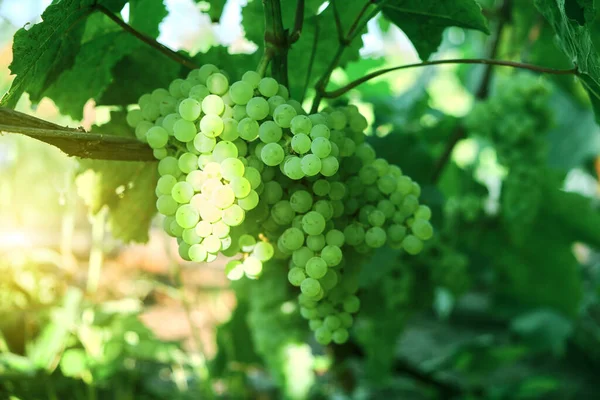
column 276, row 40
column 513, row 64
column 298, row 22
column 75, row 142
column 146, row 39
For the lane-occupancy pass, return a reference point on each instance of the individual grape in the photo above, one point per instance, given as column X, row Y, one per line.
column 423, row 212
column 211, row 125
column 268, row 87
column 283, row 115
column 241, row 186
column 273, row 192
column 217, row 83
column 252, row 78
column 292, row 168
column 241, row 92
column 310, row 287
column 292, row 239
column 376, row 218
column 337, row 191
column 134, row 117
column 257, row 108
column 224, row 150
column 190, row 109
column 313, row 223
column 330, row 280
column 141, row 129
column 253, row 176
column 296, row 105
column 232, row 168
column 221, row 229
column 212, row 244
column 396, row 232
column 197, row 253
column 199, row 92
column 323, row 336
column 321, row 147
column 311, row 164
column 324, row 208
column 203, row 143
column 355, row 234
column 263, row 251
column 335, row 237
column 315, row 242
column 301, row 201
column 252, row 266
column 151, row 111
column 321, row 187
column 169, row 122
column 186, row 216
column 301, row 143
column 230, row 129
column 351, row 304
column 191, row 237
column 410, row 204
column 301, row 256
column 166, row 205
column 165, row 184
column 188, row 162
column 296, row 276
column 422, row 229
column 375, row 237
column 316, row 267
column 320, row 130
column 340, row 336
column 249, row 202
column 282, row 212
column 223, row 197
column 332, row 255
column 412, row 244
column 300, row 124
column 213, row 105
column 248, row 129
column 272, row 154
column 274, row 102
column 269, row 132
column 182, row 192
column 169, row 166
column 184, row 131
column 233, row 215
column 329, row 166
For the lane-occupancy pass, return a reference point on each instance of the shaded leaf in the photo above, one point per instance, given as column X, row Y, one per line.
column 146, row 15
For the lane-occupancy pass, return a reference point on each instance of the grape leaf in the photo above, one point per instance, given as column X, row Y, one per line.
column 572, row 23
column 216, row 10
column 424, row 21
column 146, row 15
column 236, row 64
column 42, row 52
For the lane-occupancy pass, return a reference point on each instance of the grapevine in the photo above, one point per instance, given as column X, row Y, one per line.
column 245, row 172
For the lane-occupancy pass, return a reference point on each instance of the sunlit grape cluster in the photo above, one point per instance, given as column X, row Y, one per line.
column 245, row 172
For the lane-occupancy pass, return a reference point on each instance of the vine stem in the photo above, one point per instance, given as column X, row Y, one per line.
column 513, row 64
column 146, row 39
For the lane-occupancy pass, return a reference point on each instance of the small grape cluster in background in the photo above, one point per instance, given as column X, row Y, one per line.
column 245, row 172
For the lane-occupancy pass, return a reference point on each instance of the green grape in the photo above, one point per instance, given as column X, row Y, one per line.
column 320, row 130
column 223, row 197
column 296, row 276
column 199, row 92
column 268, row 87
column 134, row 117
column 141, row 129
column 190, row 109
column 186, row 216
column 354, row 234
column 191, row 237
column 321, row 187
column 234, row 270
column 337, row 191
column 316, row 267
column 387, row 184
column 330, row 280
column 241, row 92
column 209, row 212
column 165, row 184
column 252, row 266
column 213, row 105
column 174, row 89
column 274, row 102
column 241, row 186
column 203, row 143
column 396, row 232
column 335, row 238
column 340, row 336
column 175, row 229
column 224, row 150
column 169, row 166
column 324, row 208
column 248, row 129
column 332, row 322
column 423, row 212
column 282, row 212
column 323, row 336
column 301, row 256
column 272, row 154
column 242, row 147
column 257, row 108
column 332, row 255
column 301, row 143
column 204, row 229
column 310, row 287
column 376, row 218
column 321, row 147
column 351, row 304
column 300, row 124
column 182, row 192
column 301, row 201
column 386, row 207
column 212, row 244
column 197, row 253
column 230, row 129
column 375, row 237
column 313, row 223
column 253, row 176
column 263, row 251
column 412, row 244
column 232, row 168
column 329, row 166
column 188, row 162
column 273, row 192
column 167, row 105
column 403, row 185
column 211, row 125
column 410, row 204
column 292, row 168
column 269, row 132
column 249, row 202
column 169, row 122
column 234, row 215
column 422, row 229
column 311, row 164
column 184, row 249
column 296, row 105
column 292, row 239
column 246, row 243
column 315, row 242
column 166, row 205
column 283, row 115
column 221, row 229
column 157, row 137
column 151, row 111
column 252, row 78
column 184, row 131
column 217, row 83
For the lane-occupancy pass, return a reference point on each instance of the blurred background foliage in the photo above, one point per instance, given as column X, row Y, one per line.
column 504, row 304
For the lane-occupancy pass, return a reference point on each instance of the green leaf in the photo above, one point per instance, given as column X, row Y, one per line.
column 572, row 22
column 236, row 64
column 216, row 9
column 146, row 15
column 91, row 74
column 424, row 21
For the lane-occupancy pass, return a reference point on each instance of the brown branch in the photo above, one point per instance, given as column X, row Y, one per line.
column 146, row 39
column 375, row 74
column 298, row 22
column 75, row 142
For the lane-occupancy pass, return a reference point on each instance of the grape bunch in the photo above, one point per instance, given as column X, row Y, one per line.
column 246, row 172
